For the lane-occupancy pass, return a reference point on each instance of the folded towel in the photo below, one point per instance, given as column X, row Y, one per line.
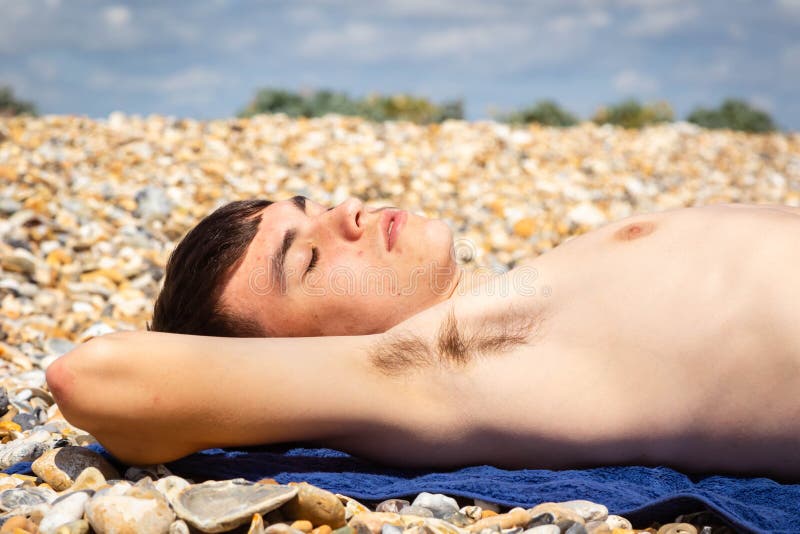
column 641, row 494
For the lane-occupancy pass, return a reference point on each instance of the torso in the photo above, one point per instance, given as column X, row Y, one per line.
column 663, row 338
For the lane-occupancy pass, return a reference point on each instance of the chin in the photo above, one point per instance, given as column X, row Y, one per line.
column 440, row 240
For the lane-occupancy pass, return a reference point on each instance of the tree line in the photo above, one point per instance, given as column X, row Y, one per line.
column 733, row 114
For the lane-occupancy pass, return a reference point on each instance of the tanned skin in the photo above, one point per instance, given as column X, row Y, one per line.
column 670, row 338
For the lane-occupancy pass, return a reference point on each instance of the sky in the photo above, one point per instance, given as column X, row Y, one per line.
column 206, row 59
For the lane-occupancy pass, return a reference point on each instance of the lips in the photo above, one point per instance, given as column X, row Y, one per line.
column 392, row 221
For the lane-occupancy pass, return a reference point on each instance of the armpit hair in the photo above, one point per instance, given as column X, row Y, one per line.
column 457, row 343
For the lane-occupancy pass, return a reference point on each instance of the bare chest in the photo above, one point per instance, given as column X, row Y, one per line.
column 661, row 334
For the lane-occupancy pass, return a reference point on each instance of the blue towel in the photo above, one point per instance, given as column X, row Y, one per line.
column 641, row 494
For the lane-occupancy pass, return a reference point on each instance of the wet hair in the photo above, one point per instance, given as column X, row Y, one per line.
column 199, row 267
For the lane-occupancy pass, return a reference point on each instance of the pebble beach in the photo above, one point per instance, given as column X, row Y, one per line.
column 91, row 209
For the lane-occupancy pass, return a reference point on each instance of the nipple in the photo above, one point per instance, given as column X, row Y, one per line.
column 632, row 231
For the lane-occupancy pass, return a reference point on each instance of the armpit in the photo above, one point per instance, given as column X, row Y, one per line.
column 457, row 343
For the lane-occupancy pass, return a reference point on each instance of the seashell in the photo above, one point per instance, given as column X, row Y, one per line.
column 216, row 506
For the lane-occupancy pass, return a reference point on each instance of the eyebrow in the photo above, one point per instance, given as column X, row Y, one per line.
column 279, row 258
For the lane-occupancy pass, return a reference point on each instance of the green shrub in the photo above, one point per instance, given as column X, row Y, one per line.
column 375, row 107
column 10, row 106
column 546, row 112
column 631, row 114
column 410, row 108
column 323, row 102
column 275, row 101
column 734, row 115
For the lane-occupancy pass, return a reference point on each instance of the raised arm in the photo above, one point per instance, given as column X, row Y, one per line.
column 151, row 397
column 405, row 396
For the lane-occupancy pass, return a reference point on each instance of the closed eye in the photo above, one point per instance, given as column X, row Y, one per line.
column 314, row 259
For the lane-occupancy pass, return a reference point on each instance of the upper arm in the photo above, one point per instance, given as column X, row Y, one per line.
column 151, row 397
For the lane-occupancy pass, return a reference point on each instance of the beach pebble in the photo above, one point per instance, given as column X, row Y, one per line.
column 58, row 346
column 152, row 203
column 64, row 511
column 615, row 521
column 459, row 519
column 351, row 507
column 316, row 505
column 90, row 478
column 12, row 499
column 256, row 525
column 60, row 467
column 677, row 528
column 515, row 517
column 472, row 512
column 571, row 527
column 80, row 526
column 155, row 472
column 19, row 261
column 392, row 505
column 302, row 525
column 440, row 505
column 559, row 512
column 588, row 510
column 418, row 511
column 543, row 529
column 281, row 528
column 117, row 514
column 24, row 450
column 597, row 527
column 18, row 524
column 26, row 421
column 3, row 401
column 373, row 521
column 391, row 529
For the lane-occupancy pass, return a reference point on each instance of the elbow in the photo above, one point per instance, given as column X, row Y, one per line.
column 67, row 379
column 98, row 390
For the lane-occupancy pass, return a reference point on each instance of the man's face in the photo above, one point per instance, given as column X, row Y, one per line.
column 370, row 269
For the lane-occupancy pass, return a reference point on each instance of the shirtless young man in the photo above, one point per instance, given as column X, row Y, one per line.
column 671, row 338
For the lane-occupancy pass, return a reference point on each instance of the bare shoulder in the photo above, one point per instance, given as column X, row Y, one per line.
column 793, row 210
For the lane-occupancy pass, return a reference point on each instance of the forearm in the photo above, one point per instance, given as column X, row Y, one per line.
column 153, row 397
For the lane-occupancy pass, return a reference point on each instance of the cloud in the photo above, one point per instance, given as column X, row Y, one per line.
column 701, row 72
column 451, row 9
column 240, row 40
column 467, row 40
column 191, row 79
column 356, row 40
column 719, row 70
column 305, row 15
column 660, row 22
column 736, row 31
column 579, row 21
column 630, row 81
column 43, row 67
column 117, row 16
column 790, row 6
column 762, row 102
column 188, row 81
column 790, row 58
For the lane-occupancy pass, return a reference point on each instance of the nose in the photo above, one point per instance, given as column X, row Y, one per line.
column 349, row 218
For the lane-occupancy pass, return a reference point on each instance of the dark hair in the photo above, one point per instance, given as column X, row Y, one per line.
column 189, row 301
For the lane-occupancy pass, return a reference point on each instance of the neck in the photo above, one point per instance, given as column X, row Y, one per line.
column 461, row 282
